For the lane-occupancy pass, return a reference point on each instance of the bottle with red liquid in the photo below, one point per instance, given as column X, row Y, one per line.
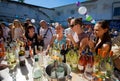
column 82, row 62
column 89, row 66
column 2, row 49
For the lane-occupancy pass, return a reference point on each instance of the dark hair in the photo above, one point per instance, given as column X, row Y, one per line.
column 30, row 27
column 78, row 21
column 106, row 36
column 69, row 19
column 3, row 23
column 1, row 32
column 104, row 24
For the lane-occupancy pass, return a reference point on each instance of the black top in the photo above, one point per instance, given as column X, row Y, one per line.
column 105, row 40
column 32, row 39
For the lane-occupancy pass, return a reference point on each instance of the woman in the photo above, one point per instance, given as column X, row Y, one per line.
column 60, row 38
column 31, row 36
column 18, row 31
column 103, row 39
column 80, row 38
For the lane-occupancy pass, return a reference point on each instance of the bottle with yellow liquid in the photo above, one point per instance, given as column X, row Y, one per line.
column 11, row 59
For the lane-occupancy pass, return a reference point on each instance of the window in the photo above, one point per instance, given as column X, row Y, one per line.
column 72, row 11
column 58, row 13
column 117, row 11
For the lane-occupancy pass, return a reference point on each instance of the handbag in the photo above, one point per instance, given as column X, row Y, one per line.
column 41, row 43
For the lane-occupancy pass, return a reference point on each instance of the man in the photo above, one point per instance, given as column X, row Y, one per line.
column 5, row 29
column 46, row 33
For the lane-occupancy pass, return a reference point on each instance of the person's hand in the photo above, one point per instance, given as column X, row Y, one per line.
column 91, row 44
column 70, row 37
column 39, row 37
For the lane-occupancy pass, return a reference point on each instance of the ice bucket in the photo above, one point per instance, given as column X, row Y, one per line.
column 64, row 71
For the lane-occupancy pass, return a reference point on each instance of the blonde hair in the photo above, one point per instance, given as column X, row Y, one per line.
column 17, row 24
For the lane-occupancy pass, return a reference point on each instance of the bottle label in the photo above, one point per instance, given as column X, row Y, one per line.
column 22, row 58
column 27, row 53
column 0, row 49
column 80, row 67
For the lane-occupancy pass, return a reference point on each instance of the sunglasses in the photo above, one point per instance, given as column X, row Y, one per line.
column 72, row 25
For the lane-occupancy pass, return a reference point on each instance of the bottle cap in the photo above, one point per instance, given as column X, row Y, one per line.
column 36, row 59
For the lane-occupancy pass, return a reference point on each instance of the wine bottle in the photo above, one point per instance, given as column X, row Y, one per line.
column 27, row 55
column 2, row 49
column 22, row 56
column 82, row 62
column 89, row 66
column 63, row 53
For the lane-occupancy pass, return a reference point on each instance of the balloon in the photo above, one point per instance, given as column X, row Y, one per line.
column 53, row 24
column 16, row 16
column 88, row 18
column 93, row 21
column 33, row 20
column 82, row 10
column 78, row 3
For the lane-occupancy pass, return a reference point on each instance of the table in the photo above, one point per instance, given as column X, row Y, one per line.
column 25, row 73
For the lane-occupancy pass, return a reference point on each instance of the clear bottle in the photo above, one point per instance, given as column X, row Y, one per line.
column 22, row 56
column 37, row 72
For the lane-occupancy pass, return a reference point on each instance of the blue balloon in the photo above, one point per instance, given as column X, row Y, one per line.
column 16, row 16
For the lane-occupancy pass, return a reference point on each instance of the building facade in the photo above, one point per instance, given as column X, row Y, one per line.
column 97, row 9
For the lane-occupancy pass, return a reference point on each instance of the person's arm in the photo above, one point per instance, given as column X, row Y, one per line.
column 51, row 43
column 83, row 43
column 91, row 45
column 106, row 47
column 70, row 37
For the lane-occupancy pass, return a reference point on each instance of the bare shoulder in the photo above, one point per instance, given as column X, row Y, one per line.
column 106, row 47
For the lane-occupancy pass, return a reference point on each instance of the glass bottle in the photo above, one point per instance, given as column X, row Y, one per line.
column 37, row 72
column 22, row 56
column 11, row 59
column 82, row 62
column 63, row 53
column 30, row 51
column 2, row 49
column 27, row 55
column 89, row 66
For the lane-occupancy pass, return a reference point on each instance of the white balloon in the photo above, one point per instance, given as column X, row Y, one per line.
column 33, row 20
column 82, row 10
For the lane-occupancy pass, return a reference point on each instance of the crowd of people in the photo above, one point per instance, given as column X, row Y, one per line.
column 95, row 37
